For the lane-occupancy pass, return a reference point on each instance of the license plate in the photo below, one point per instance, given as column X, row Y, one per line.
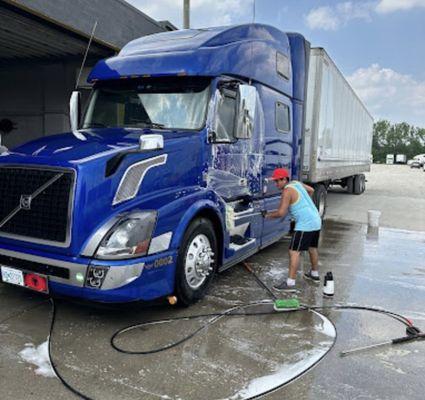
column 13, row 276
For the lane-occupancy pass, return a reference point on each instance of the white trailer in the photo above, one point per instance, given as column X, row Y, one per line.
column 338, row 131
column 400, row 159
column 389, row 159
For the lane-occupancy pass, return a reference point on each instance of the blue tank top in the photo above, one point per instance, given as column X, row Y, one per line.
column 303, row 211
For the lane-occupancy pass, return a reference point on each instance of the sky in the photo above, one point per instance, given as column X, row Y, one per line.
column 377, row 44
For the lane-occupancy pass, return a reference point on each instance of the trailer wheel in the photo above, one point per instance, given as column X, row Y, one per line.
column 196, row 263
column 359, row 185
column 350, row 184
column 363, row 183
column 320, row 199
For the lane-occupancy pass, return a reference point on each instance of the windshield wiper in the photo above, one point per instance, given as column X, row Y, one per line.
column 95, row 125
column 154, row 125
column 157, row 125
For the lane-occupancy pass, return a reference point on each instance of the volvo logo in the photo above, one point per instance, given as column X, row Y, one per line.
column 25, row 201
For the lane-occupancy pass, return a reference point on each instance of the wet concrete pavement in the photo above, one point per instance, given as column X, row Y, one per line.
column 398, row 191
column 237, row 357
column 240, row 356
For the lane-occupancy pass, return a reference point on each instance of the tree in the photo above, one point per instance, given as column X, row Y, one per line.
column 399, row 138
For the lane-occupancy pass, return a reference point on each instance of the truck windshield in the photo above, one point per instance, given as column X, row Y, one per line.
column 161, row 103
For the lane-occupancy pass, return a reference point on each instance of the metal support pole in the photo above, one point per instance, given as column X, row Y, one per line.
column 186, row 14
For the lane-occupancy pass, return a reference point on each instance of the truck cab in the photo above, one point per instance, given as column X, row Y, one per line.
column 162, row 180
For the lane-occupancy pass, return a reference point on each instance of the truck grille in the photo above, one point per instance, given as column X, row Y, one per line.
column 35, row 204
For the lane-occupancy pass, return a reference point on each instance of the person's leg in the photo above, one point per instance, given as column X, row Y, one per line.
column 313, row 274
column 294, row 261
column 288, row 284
column 314, row 258
column 295, row 247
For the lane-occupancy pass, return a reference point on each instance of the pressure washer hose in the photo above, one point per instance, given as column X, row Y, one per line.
column 235, row 311
column 214, row 317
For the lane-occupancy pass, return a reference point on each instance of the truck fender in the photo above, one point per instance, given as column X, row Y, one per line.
column 198, row 208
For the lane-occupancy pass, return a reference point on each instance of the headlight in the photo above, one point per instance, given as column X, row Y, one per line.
column 129, row 238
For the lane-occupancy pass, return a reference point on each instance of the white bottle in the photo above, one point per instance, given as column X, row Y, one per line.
column 329, row 285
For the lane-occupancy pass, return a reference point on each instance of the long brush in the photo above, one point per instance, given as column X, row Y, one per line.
column 279, row 304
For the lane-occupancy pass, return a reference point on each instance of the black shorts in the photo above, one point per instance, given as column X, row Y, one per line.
column 301, row 241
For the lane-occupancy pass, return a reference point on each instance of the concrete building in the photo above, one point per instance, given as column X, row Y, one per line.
column 42, row 43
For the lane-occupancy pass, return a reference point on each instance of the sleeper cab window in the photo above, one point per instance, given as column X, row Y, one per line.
column 282, row 65
column 283, row 120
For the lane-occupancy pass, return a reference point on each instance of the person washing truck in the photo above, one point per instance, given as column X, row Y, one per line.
column 296, row 199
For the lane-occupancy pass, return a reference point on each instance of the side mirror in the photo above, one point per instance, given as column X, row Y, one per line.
column 246, row 111
column 151, row 142
column 75, row 110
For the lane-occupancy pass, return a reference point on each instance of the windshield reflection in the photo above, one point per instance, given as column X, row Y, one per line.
column 161, row 103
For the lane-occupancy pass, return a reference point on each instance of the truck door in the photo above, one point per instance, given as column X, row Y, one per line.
column 236, row 134
column 277, row 153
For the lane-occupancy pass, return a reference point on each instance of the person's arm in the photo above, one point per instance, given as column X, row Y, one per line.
column 309, row 189
column 285, row 201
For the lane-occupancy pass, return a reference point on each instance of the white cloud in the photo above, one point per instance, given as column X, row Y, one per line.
column 390, row 95
column 323, row 18
column 388, row 6
column 332, row 18
column 204, row 13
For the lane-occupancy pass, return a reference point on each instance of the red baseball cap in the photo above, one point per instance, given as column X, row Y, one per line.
column 280, row 173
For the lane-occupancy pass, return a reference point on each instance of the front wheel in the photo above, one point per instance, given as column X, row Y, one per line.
column 196, row 262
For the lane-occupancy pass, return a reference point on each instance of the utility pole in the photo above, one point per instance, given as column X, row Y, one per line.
column 186, row 14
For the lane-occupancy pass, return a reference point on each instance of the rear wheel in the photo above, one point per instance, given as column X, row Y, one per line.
column 350, row 184
column 196, row 262
column 363, row 183
column 359, row 184
column 320, row 199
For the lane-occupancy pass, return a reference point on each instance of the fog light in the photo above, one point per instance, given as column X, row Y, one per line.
column 79, row 277
column 95, row 276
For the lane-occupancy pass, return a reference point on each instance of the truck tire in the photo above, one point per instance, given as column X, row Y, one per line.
column 196, row 262
column 363, row 183
column 350, row 184
column 320, row 199
column 359, row 184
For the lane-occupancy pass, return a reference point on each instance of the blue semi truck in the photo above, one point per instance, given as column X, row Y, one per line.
column 162, row 181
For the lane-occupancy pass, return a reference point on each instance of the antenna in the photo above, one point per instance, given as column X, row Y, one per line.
column 85, row 55
column 251, row 45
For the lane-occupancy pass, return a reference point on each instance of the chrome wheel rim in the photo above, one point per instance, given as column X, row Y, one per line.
column 199, row 261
